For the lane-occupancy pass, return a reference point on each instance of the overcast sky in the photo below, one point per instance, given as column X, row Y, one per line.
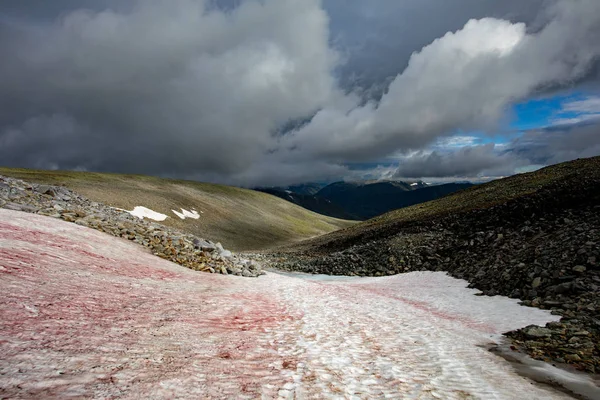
column 277, row 92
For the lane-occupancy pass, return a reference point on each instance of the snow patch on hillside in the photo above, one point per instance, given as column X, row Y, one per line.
column 187, row 214
column 143, row 212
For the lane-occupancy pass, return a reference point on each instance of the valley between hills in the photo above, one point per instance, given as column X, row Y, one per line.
column 100, row 303
column 300, row 199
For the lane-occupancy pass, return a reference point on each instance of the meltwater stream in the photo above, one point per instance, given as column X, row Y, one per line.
column 86, row 315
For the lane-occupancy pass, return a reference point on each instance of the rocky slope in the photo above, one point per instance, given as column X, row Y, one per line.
column 168, row 243
column 535, row 237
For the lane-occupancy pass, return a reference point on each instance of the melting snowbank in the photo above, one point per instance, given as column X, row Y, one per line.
column 417, row 335
column 88, row 315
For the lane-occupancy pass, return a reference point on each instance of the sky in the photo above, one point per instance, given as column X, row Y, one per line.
column 281, row 92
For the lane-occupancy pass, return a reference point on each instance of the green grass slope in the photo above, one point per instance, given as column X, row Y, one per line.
column 241, row 219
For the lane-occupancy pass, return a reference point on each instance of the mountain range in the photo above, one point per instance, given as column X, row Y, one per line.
column 362, row 200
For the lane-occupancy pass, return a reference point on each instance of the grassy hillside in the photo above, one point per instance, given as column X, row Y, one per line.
column 240, row 219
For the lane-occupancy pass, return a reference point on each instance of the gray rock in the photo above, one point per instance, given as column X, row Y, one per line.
column 572, row 357
column 253, row 265
column 226, row 254
column 579, row 268
column 46, row 189
column 536, row 332
column 204, row 245
column 20, row 207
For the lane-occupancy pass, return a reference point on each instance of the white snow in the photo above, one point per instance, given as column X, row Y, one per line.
column 187, row 214
column 417, row 335
column 414, row 184
column 420, row 335
column 143, row 212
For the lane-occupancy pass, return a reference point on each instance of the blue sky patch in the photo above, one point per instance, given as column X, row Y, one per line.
column 558, row 110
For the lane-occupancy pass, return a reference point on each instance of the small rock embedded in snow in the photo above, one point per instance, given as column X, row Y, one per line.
column 187, row 214
column 143, row 212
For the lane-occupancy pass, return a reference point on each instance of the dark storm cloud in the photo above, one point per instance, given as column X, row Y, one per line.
column 201, row 89
column 163, row 88
column 377, row 39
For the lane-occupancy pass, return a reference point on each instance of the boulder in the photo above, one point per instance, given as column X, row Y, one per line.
column 536, row 332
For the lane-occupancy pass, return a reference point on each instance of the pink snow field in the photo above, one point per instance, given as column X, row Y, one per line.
column 87, row 315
